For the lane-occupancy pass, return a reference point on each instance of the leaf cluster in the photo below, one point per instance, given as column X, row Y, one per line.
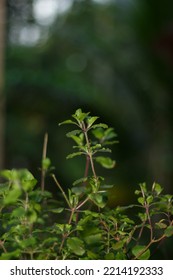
column 35, row 225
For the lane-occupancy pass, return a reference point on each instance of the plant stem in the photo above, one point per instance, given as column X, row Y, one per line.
column 3, row 247
column 141, row 231
column 82, row 203
column 71, row 215
column 61, row 189
column 43, row 171
column 149, row 244
column 89, row 150
column 146, row 205
column 86, row 167
column 26, row 201
column 149, row 220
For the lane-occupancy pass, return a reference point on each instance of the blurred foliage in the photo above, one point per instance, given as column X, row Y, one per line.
column 113, row 59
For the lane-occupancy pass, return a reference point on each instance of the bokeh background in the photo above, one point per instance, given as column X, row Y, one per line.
column 113, row 58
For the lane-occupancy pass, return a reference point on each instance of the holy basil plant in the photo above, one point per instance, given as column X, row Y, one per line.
column 36, row 225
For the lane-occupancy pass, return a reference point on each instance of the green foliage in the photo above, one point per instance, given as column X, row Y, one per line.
column 34, row 225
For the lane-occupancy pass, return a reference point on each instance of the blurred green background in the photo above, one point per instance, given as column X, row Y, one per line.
column 113, row 58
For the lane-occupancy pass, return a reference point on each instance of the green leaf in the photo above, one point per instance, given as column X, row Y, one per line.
column 91, row 214
column 98, row 199
column 160, row 224
column 143, row 187
column 74, row 155
column 76, row 246
column 110, row 256
column 91, row 120
column 4, row 188
column 169, row 231
column 105, row 150
column 93, row 238
column 73, row 132
column 96, row 147
column 100, row 125
column 78, row 139
column 110, row 133
column 141, row 200
column 79, row 181
column 140, row 253
column 68, row 122
column 142, row 216
column 46, row 162
column 121, row 256
column 12, row 196
column 32, row 216
column 57, row 211
column 49, row 241
column 25, row 177
column 18, row 212
column 6, row 174
column 118, row 245
column 157, row 188
column 98, row 133
column 79, row 190
column 137, row 192
column 106, row 162
column 79, row 115
column 11, row 255
column 149, row 199
column 29, row 242
column 91, row 255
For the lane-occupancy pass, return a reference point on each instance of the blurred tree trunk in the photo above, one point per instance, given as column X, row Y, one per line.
column 2, row 97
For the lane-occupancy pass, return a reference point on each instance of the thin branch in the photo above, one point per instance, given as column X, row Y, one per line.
column 86, row 167
column 82, row 203
column 2, row 246
column 61, row 189
column 149, row 244
column 43, row 171
column 89, row 151
column 146, row 206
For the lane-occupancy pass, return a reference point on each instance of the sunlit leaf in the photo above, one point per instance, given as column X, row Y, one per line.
column 79, row 115
column 46, row 162
column 157, row 188
column 106, row 162
column 68, row 122
column 149, row 199
column 6, row 174
column 143, row 187
column 78, row 139
column 141, row 200
column 91, row 120
column 12, row 196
